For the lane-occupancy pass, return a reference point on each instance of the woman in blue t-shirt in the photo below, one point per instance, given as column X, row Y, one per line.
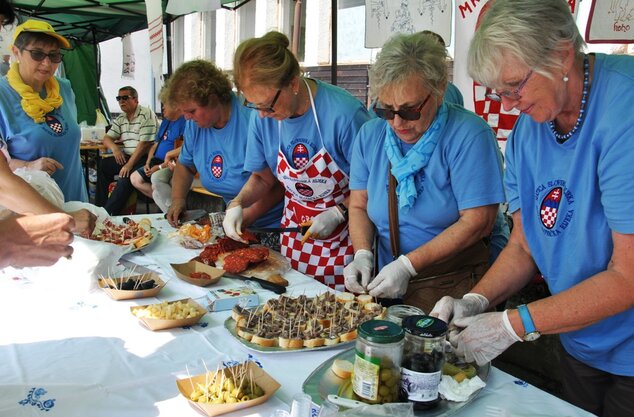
column 215, row 144
column 446, row 173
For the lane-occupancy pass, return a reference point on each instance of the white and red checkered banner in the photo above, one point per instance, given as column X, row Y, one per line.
column 468, row 14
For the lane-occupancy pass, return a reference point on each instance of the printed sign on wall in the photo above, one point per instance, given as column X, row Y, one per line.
column 611, row 22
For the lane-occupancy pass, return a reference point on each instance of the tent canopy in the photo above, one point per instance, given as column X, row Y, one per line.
column 87, row 21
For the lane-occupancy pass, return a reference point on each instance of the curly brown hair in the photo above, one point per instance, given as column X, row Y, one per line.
column 200, row 81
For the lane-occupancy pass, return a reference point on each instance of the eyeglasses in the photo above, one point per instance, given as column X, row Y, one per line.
column 267, row 109
column 39, row 56
column 119, row 98
column 512, row 95
column 405, row 113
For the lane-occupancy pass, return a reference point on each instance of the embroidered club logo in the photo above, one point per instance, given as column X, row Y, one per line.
column 216, row 166
column 304, row 189
column 550, row 207
column 300, row 156
column 54, row 124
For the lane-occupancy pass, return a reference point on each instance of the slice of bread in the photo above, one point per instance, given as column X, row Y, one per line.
column 364, row 299
column 342, row 368
column 264, row 341
column 343, row 297
column 314, row 342
column 348, row 336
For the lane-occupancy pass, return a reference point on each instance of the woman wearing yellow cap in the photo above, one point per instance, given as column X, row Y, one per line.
column 38, row 116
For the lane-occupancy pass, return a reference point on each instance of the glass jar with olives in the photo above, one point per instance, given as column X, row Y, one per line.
column 376, row 372
column 423, row 359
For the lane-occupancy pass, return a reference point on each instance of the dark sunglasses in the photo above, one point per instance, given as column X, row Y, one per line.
column 119, row 98
column 405, row 113
column 269, row 108
column 39, row 56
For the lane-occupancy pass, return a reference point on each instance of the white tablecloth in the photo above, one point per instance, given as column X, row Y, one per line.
column 83, row 354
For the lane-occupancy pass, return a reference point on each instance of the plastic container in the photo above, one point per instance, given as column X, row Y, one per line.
column 398, row 312
column 423, row 359
column 379, row 350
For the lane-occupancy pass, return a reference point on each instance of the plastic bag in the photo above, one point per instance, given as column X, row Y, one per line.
column 43, row 184
column 380, row 410
column 101, row 119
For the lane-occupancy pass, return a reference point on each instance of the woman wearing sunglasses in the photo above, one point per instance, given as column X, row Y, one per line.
column 437, row 162
column 570, row 185
column 303, row 139
column 38, row 117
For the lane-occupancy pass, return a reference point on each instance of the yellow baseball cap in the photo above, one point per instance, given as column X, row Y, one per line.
column 33, row 25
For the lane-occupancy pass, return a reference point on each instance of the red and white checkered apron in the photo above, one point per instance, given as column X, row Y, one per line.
column 310, row 190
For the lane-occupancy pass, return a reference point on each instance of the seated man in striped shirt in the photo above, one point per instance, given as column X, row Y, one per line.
column 135, row 129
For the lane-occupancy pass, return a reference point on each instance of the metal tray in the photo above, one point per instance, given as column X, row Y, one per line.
column 230, row 325
column 323, row 382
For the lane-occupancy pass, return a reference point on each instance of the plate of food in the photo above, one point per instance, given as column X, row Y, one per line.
column 302, row 323
column 332, row 377
column 227, row 390
column 135, row 235
column 169, row 314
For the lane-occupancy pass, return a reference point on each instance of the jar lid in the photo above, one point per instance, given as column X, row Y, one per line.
column 381, row 331
column 425, row 326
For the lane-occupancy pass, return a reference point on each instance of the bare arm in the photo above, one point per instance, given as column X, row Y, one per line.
column 600, row 296
column 257, row 186
column 118, row 154
column 139, row 152
column 473, row 225
column 360, row 226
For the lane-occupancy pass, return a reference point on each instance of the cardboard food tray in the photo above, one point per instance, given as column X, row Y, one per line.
column 323, row 381
column 162, row 324
column 131, row 294
column 261, row 378
column 275, row 264
column 230, row 325
column 182, row 271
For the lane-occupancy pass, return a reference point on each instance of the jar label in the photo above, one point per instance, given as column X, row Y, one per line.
column 365, row 378
column 419, row 386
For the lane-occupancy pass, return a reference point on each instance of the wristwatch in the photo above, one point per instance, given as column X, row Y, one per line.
column 530, row 333
column 344, row 210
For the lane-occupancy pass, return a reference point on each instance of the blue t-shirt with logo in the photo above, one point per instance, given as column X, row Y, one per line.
column 167, row 133
column 464, row 171
column 340, row 117
column 573, row 196
column 57, row 137
column 219, row 154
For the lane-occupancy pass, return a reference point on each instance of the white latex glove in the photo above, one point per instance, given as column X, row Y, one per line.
column 324, row 224
column 360, row 267
column 455, row 308
column 393, row 279
column 232, row 223
column 484, row 337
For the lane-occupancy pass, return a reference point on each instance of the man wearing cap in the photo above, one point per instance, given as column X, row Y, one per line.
column 135, row 129
column 38, row 116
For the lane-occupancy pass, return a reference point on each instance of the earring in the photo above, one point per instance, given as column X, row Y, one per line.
column 295, row 92
column 565, row 78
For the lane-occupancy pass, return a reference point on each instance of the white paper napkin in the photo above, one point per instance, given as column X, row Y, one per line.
column 459, row 391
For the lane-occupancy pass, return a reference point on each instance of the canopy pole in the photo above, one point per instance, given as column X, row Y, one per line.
column 168, row 36
column 297, row 23
column 334, row 6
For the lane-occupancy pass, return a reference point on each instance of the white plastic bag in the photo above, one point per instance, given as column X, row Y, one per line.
column 43, row 184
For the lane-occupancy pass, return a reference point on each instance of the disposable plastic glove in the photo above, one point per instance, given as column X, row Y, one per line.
column 393, row 279
column 455, row 308
column 324, row 224
column 360, row 267
column 484, row 337
column 232, row 223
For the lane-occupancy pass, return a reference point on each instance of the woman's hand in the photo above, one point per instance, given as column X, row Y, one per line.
column 85, row 222
column 174, row 213
column 48, row 165
column 393, row 279
column 233, row 222
column 324, row 224
column 448, row 308
column 360, row 267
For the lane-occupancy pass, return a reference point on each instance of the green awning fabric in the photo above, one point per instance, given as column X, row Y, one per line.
column 80, row 68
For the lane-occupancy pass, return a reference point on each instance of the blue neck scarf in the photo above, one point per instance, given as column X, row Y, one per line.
column 405, row 167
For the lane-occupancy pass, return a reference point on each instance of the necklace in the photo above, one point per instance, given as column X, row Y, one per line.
column 562, row 137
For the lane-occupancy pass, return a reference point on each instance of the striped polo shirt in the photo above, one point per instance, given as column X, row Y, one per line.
column 142, row 128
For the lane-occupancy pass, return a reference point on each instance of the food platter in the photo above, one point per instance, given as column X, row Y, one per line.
column 230, row 325
column 131, row 234
column 323, row 381
column 153, row 235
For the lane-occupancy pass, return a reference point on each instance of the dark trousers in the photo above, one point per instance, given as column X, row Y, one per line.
column 115, row 204
column 596, row 391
